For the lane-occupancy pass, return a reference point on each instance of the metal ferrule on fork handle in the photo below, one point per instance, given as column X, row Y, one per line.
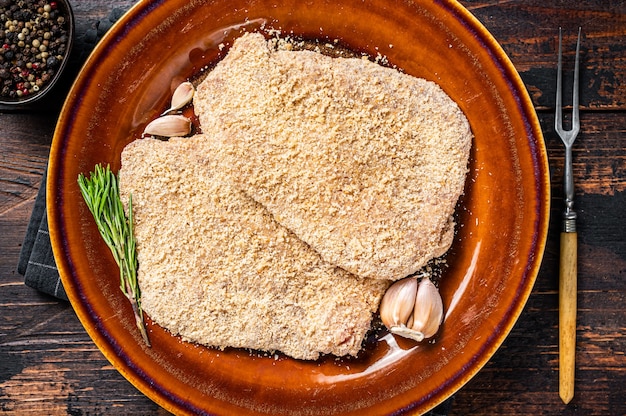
column 569, row 215
column 569, row 222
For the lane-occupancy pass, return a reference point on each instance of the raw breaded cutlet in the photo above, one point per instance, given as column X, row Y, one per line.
column 362, row 162
column 216, row 269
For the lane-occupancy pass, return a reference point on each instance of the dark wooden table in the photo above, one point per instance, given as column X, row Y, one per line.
column 49, row 365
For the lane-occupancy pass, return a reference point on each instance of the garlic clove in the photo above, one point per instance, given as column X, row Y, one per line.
column 169, row 126
column 398, row 303
column 428, row 312
column 183, row 94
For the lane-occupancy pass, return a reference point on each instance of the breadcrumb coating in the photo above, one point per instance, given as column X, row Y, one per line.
column 215, row 268
column 362, row 162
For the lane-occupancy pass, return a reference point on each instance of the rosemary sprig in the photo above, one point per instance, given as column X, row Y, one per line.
column 101, row 193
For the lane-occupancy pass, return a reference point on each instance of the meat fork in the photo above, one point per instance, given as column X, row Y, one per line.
column 568, row 253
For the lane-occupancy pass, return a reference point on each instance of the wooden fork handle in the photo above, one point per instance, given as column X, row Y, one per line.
column 567, row 315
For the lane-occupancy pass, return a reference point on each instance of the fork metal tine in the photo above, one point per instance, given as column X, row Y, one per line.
column 575, row 121
column 558, row 120
column 567, row 136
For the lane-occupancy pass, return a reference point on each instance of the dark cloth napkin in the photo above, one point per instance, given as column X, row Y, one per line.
column 36, row 262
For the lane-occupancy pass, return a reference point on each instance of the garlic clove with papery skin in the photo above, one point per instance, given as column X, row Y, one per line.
column 398, row 302
column 169, row 126
column 183, row 94
column 428, row 312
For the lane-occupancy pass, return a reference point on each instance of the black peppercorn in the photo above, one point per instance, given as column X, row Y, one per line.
column 52, row 62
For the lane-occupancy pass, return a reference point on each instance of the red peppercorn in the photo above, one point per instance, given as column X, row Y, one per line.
column 53, row 4
column 19, row 85
column 25, row 92
column 6, row 46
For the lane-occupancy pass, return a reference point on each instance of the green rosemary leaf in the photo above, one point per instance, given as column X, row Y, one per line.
column 101, row 194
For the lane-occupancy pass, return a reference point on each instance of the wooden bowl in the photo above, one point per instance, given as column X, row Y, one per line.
column 492, row 265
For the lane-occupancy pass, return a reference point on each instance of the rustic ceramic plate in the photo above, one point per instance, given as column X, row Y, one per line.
column 493, row 263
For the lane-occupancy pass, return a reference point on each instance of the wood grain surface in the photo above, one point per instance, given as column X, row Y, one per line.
column 50, row 366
